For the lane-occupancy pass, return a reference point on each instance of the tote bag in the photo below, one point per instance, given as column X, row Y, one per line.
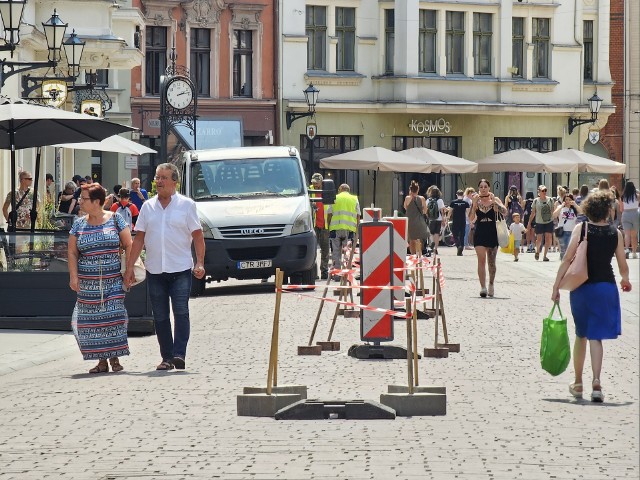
column 578, row 272
column 502, row 230
column 139, row 270
column 555, row 352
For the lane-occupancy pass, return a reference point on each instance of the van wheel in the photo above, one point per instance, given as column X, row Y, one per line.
column 307, row 277
column 197, row 287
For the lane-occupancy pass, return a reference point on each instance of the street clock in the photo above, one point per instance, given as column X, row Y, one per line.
column 179, row 92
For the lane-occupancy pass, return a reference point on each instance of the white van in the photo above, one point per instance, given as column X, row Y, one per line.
column 255, row 213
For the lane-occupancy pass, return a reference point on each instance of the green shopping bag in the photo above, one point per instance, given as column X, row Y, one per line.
column 555, row 352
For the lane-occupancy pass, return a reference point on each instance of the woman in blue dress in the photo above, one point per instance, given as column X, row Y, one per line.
column 595, row 305
column 100, row 319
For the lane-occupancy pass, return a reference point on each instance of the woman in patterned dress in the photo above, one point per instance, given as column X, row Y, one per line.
column 100, row 319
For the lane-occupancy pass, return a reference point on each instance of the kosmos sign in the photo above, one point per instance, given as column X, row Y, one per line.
column 439, row 126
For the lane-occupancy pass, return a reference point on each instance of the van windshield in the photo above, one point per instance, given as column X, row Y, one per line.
column 246, row 178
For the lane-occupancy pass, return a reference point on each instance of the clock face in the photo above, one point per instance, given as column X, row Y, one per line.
column 179, row 94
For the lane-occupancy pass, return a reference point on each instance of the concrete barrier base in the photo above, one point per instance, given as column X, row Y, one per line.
column 263, row 405
column 279, row 389
column 309, row 350
column 416, row 404
column 336, row 409
column 329, row 346
column 419, row 389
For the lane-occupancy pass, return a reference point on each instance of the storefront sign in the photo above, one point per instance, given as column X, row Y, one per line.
column 430, row 127
column 131, row 161
column 312, row 130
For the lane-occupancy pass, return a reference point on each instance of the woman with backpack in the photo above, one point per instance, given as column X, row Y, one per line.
column 435, row 214
column 484, row 212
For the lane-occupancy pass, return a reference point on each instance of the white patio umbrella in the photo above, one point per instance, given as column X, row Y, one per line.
column 588, row 162
column 376, row 159
column 442, row 162
column 523, row 160
column 116, row 143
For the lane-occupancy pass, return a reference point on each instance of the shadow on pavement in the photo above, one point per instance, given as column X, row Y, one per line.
column 586, row 402
column 251, row 289
column 151, row 373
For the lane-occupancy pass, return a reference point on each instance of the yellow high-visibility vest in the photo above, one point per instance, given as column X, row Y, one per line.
column 344, row 212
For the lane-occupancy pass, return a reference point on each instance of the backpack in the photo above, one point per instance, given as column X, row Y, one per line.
column 432, row 209
column 545, row 210
column 126, row 213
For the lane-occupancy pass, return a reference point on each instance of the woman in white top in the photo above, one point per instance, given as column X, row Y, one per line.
column 566, row 214
column 629, row 207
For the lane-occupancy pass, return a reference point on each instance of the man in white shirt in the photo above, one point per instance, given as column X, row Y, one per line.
column 166, row 226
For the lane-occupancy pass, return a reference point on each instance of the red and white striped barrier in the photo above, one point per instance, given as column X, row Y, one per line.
column 400, row 225
column 376, row 269
column 371, row 214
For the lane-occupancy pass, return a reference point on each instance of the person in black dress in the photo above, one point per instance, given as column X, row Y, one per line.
column 485, row 239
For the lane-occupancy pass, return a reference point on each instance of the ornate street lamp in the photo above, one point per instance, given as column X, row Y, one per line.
column 595, row 102
column 11, row 16
column 54, row 30
column 73, row 48
column 311, row 97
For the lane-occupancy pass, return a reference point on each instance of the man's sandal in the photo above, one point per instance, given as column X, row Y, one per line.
column 101, row 367
column 575, row 389
column 165, row 366
column 115, row 365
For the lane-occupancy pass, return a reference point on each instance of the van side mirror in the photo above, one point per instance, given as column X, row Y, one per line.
column 328, row 192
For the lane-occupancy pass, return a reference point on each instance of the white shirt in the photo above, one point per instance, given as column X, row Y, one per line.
column 167, row 233
column 517, row 229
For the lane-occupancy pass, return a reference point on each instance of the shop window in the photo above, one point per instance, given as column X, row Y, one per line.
column 448, row 145
column 517, row 47
column 541, row 42
column 389, row 40
column 316, row 28
column 455, row 42
column 427, row 41
column 346, row 34
column 326, row 146
column 155, row 58
column 587, row 42
column 243, row 63
column 482, row 37
column 200, row 51
column 542, row 145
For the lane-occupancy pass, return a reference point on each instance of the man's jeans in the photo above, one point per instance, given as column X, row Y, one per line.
column 175, row 286
column 323, row 241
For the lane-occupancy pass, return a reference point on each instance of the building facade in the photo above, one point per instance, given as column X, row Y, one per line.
column 467, row 78
column 631, row 99
column 228, row 50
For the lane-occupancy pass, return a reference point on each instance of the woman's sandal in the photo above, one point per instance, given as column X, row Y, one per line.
column 101, row 367
column 115, row 365
column 165, row 366
column 597, row 395
column 575, row 389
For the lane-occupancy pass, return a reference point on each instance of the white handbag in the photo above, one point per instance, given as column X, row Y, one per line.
column 502, row 230
column 139, row 271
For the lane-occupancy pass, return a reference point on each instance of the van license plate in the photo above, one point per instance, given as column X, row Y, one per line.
column 254, row 264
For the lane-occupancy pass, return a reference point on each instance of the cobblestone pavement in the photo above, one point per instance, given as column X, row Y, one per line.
column 506, row 418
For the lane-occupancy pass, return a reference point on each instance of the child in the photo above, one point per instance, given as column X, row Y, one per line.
column 517, row 229
column 125, row 208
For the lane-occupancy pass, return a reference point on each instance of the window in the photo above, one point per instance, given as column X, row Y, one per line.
column 587, row 39
column 482, row 34
column 389, row 39
column 242, row 63
column 542, row 145
column 346, row 33
column 540, row 39
column 316, row 31
column 455, row 42
column 102, row 77
column 155, row 58
column 427, row 41
column 200, row 50
column 326, row 146
column 517, row 45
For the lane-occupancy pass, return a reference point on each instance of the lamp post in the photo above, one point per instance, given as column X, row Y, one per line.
column 311, row 97
column 595, row 102
column 54, row 30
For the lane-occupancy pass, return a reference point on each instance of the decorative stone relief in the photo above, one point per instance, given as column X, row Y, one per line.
column 246, row 16
column 158, row 12
column 204, row 13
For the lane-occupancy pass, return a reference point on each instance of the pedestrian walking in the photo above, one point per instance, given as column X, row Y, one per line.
column 468, row 232
column 630, row 217
column 167, row 226
column 435, row 213
column 320, row 226
column 567, row 213
column 113, row 197
column 517, row 229
column 125, row 208
column 514, row 203
column 542, row 212
column 530, row 234
column 484, row 212
column 458, row 215
column 100, row 318
column 343, row 217
column 595, row 305
column 416, row 207
column 138, row 195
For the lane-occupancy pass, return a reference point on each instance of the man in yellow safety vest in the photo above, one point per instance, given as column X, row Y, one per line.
column 343, row 217
column 320, row 225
